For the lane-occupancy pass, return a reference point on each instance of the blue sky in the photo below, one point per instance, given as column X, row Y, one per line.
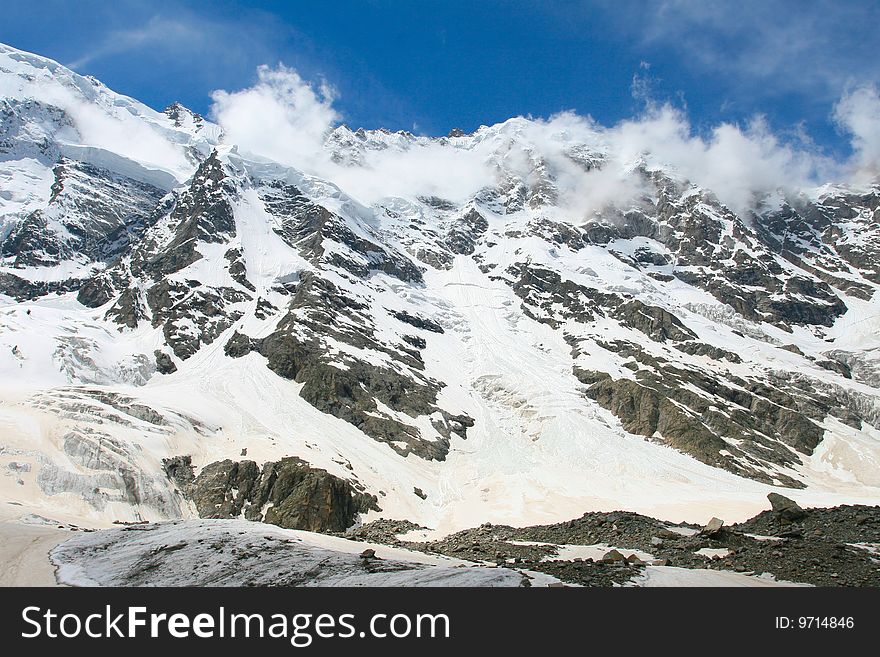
column 430, row 66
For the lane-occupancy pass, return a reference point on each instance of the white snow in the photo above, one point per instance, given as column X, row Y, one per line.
column 712, row 553
column 233, row 552
column 539, row 451
column 673, row 576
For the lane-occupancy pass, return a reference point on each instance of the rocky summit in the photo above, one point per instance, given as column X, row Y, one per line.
column 192, row 330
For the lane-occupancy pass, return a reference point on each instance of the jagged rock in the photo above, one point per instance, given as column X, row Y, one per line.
column 202, row 213
column 96, row 291
column 418, row 322
column 713, row 527
column 463, row 236
column 288, row 493
column 179, row 470
column 701, row 349
column 21, row 289
column 835, row 366
column 164, row 363
column 786, row 508
column 128, row 309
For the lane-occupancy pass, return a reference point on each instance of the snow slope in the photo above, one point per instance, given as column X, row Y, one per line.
column 463, row 359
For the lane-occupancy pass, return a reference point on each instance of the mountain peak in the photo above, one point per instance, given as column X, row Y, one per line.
column 449, row 329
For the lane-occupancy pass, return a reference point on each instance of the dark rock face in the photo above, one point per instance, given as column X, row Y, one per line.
column 202, row 213
column 296, row 350
column 817, row 236
column 179, row 114
column 351, row 393
column 238, row 270
column 465, row 232
column 129, row 308
column 772, row 421
column 543, row 291
column 702, row 236
column 836, row 366
column 96, row 291
column 93, row 213
column 177, row 306
column 306, row 227
column 164, row 363
column 418, row 322
column 22, row 289
column 645, row 411
column 702, row 349
column 179, row 470
column 16, row 117
column 288, row 493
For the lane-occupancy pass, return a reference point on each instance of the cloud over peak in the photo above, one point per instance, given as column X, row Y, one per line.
column 281, row 117
column 287, row 119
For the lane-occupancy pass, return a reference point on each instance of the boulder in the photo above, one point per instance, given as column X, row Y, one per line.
column 713, row 527
column 785, row 508
column 613, row 557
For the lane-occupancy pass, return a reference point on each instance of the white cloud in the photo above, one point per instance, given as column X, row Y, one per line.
column 858, row 112
column 124, row 133
column 284, row 118
column 99, row 118
column 736, row 163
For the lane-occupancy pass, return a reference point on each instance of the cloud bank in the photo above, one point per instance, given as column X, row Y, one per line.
column 287, row 119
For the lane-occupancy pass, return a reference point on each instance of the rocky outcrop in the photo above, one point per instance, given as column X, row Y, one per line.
column 550, row 298
column 288, row 493
column 349, row 387
column 741, row 425
column 202, row 213
column 465, row 232
column 191, row 314
column 93, row 215
column 351, row 393
column 823, row 547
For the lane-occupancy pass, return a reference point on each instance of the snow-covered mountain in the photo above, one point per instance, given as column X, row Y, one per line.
column 179, row 319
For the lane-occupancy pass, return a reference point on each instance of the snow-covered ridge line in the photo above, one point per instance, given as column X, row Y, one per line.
column 105, row 159
column 486, row 356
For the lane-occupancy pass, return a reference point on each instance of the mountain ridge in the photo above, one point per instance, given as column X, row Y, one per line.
column 490, row 357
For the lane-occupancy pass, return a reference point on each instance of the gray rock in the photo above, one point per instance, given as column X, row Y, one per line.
column 713, row 527
column 288, row 493
column 786, row 508
column 613, row 556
